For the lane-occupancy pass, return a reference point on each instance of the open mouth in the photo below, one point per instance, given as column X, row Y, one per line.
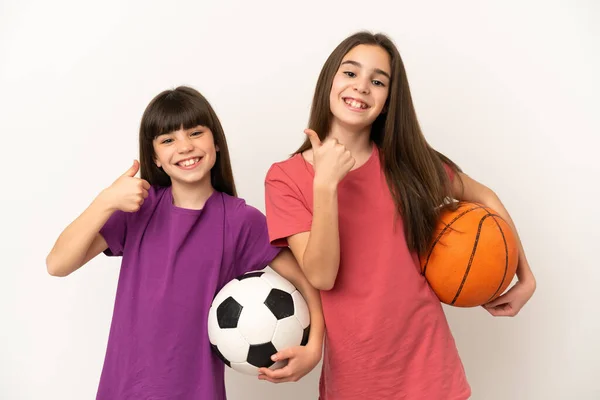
column 355, row 104
column 190, row 162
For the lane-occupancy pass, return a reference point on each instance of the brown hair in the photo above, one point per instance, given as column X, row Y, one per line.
column 415, row 172
column 171, row 110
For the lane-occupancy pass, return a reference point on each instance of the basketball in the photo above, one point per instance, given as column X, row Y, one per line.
column 472, row 258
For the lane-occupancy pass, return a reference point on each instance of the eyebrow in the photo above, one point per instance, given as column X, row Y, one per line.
column 359, row 65
column 195, row 128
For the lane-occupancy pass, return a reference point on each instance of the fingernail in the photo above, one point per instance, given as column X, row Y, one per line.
column 274, row 357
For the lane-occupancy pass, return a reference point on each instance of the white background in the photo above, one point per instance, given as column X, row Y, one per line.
column 509, row 90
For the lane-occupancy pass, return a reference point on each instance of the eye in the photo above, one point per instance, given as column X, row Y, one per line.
column 377, row 83
column 166, row 141
column 196, row 133
column 350, row 74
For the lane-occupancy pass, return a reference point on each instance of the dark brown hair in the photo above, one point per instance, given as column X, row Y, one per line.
column 171, row 110
column 418, row 181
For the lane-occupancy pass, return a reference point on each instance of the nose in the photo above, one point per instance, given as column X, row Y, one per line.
column 362, row 86
column 184, row 146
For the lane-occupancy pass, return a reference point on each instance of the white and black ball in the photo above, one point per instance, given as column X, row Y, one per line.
column 253, row 317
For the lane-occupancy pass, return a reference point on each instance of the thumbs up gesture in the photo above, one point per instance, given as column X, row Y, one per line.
column 332, row 161
column 128, row 193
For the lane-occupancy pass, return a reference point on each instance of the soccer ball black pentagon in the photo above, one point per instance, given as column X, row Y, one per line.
column 254, row 316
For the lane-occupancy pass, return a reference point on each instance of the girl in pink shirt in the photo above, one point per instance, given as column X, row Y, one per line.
column 356, row 203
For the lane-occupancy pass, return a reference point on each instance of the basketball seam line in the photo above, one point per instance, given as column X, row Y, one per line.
column 464, row 280
column 506, row 261
column 437, row 239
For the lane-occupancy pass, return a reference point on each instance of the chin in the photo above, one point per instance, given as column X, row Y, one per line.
column 357, row 124
column 190, row 180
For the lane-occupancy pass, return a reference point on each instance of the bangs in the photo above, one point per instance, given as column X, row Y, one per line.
column 174, row 110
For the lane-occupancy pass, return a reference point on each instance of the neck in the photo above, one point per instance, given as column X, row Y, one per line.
column 357, row 141
column 191, row 196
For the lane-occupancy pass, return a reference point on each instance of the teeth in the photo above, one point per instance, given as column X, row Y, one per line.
column 356, row 104
column 188, row 163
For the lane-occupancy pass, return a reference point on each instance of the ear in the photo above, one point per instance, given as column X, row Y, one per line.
column 157, row 163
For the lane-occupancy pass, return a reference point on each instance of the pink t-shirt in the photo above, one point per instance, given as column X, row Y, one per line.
column 387, row 336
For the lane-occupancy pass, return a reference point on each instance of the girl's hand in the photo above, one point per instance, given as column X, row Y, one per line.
column 331, row 160
column 510, row 303
column 300, row 361
column 127, row 193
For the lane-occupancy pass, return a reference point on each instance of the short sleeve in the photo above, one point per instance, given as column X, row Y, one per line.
column 114, row 232
column 287, row 214
column 253, row 249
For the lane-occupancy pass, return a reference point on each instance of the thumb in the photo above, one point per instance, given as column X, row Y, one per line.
column 313, row 137
column 283, row 354
column 133, row 169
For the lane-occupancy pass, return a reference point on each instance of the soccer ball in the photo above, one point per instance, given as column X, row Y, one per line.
column 253, row 317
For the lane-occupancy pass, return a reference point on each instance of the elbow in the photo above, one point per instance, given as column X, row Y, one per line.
column 53, row 267
column 321, row 283
column 321, row 273
column 326, row 286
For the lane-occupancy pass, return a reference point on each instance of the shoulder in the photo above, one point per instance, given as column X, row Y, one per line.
column 155, row 195
column 241, row 214
column 293, row 168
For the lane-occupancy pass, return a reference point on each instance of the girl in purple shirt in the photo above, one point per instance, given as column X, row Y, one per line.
column 182, row 233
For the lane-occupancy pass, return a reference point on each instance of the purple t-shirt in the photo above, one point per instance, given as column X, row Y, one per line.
column 174, row 261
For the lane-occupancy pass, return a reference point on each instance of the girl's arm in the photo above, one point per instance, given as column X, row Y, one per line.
column 512, row 301
column 301, row 359
column 81, row 240
column 318, row 251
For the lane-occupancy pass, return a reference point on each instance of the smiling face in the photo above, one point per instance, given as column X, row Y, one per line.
column 186, row 155
column 360, row 87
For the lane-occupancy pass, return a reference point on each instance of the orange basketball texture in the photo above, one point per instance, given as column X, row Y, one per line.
column 472, row 258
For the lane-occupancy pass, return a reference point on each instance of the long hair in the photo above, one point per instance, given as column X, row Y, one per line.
column 415, row 172
column 171, row 110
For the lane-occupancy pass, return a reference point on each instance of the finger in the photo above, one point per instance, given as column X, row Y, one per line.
column 267, row 372
column 264, row 371
column 349, row 157
column 272, row 380
column 349, row 164
column 145, row 193
column 145, row 184
column 283, row 354
column 281, row 373
column 502, row 312
column 133, row 169
column 498, row 301
column 506, row 308
column 314, row 138
column 265, row 378
column 276, row 376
